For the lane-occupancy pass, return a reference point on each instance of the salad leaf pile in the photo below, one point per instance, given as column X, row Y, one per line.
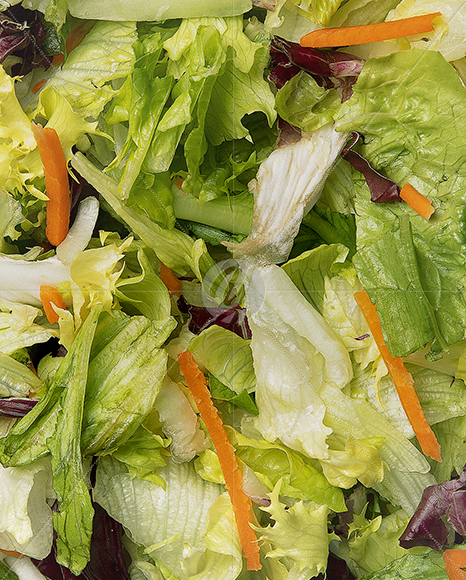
column 231, row 192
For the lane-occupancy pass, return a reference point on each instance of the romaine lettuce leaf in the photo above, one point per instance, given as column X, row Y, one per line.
column 174, row 248
column 157, row 10
column 397, row 249
column 127, row 364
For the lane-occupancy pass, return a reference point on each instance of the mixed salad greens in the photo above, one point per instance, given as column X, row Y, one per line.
column 231, row 193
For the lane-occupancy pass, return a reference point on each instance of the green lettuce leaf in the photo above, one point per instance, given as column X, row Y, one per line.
column 16, row 379
column 295, row 354
column 428, row 566
column 299, row 534
column 11, row 217
column 158, row 10
column 309, row 270
column 373, row 544
column 73, row 520
column 26, row 518
column 407, row 473
column 220, row 391
column 357, row 12
column 300, row 478
column 175, row 516
column 451, row 435
column 142, row 455
column 441, row 397
column 144, row 292
column 22, row 325
column 412, row 267
column 227, row 356
column 218, row 553
column 174, row 248
column 304, row 104
column 127, row 364
column 104, row 55
column 7, row 573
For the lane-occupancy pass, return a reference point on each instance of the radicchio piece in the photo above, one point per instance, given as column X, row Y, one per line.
column 382, row 188
column 288, row 134
column 106, row 562
column 13, row 408
column 22, row 32
column 337, row 569
column 427, row 527
column 233, row 318
column 330, row 68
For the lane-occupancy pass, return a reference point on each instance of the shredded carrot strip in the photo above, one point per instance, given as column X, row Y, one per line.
column 402, row 379
column 48, row 296
column 37, row 87
column 58, row 59
column 226, row 455
column 11, row 553
column 455, row 560
column 418, row 202
column 170, row 280
column 352, row 35
column 78, row 34
column 56, row 183
column 178, row 182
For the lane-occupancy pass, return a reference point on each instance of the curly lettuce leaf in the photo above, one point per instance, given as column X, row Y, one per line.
column 308, row 548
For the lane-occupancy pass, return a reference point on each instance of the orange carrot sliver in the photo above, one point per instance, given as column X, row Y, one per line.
column 353, row 35
column 418, row 202
column 455, row 560
column 402, row 379
column 48, row 296
column 170, row 280
column 37, row 87
column 56, row 183
column 58, row 59
column 226, row 454
column 78, row 34
column 11, row 553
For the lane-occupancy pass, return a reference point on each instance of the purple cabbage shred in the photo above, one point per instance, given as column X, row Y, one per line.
column 13, row 408
column 441, row 511
column 106, row 561
column 382, row 188
column 233, row 318
column 22, row 32
column 330, row 68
